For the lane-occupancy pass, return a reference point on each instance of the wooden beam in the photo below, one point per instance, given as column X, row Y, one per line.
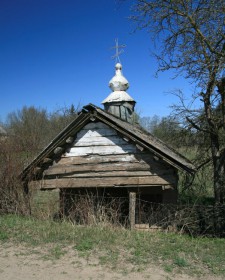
column 62, row 169
column 95, row 159
column 107, row 182
column 105, row 174
column 101, row 174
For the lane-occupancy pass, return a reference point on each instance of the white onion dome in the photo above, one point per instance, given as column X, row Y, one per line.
column 119, row 102
column 118, row 82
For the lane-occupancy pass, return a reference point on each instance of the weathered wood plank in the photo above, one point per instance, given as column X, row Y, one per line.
column 100, row 150
column 96, row 133
column 134, row 157
column 99, row 141
column 99, row 134
column 103, row 174
column 95, row 159
column 107, row 182
column 60, row 169
column 97, row 129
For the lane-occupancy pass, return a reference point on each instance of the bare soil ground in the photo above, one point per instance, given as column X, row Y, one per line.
column 23, row 263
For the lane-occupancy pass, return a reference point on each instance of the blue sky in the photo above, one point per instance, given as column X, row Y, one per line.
column 57, row 52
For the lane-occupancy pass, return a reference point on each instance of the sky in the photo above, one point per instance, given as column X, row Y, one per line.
column 54, row 53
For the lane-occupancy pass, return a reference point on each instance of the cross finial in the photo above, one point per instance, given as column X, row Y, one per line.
column 119, row 50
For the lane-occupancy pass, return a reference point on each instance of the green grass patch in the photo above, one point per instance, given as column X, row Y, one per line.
column 55, row 253
column 3, row 236
column 117, row 247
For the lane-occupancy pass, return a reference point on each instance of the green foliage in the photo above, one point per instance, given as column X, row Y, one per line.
column 85, row 245
column 179, row 261
column 3, row 236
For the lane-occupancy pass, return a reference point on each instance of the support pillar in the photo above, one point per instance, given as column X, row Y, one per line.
column 132, row 206
column 62, row 203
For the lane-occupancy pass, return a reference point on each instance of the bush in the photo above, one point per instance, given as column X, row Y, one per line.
column 12, row 196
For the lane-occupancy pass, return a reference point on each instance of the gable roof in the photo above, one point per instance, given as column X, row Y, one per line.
column 134, row 133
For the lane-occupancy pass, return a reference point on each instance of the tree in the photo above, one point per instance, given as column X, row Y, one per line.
column 28, row 128
column 32, row 128
column 191, row 40
column 168, row 130
column 61, row 117
column 29, row 131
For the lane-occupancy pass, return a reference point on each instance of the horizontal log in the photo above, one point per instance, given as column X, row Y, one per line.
column 101, row 174
column 134, row 157
column 60, row 169
column 107, row 182
column 95, row 159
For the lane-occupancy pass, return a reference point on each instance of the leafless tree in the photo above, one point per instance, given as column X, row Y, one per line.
column 189, row 36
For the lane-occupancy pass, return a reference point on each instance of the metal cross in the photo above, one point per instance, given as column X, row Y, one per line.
column 119, row 50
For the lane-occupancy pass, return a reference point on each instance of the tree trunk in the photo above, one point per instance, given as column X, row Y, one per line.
column 219, row 170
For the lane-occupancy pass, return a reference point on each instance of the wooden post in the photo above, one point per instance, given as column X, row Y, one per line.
column 27, row 196
column 132, row 206
column 62, row 203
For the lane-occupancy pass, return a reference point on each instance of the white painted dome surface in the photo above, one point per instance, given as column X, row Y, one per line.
column 118, row 82
column 118, row 96
column 118, row 85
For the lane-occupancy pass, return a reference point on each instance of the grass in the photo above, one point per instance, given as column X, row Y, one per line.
column 116, row 247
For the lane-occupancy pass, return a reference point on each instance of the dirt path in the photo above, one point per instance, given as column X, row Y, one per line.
column 20, row 263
